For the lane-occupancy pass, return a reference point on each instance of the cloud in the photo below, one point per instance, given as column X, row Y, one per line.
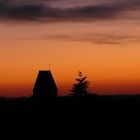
column 95, row 38
column 18, row 11
column 29, row 10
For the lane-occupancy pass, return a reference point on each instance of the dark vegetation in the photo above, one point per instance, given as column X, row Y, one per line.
column 80, row 88
column 87, row 102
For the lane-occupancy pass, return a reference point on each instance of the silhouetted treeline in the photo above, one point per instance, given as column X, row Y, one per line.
column 72, row 100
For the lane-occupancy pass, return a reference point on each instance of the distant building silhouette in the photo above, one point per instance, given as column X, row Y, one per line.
column 45, row 85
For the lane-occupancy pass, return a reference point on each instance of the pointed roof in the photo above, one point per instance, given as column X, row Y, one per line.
column 45, row 84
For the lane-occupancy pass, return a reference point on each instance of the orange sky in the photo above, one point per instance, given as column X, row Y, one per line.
column 106, row 52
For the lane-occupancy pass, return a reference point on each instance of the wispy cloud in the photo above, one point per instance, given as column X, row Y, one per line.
column 95, row 38
column 41, row 10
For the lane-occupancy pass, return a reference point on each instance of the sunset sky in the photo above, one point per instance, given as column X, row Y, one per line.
column 101, row 38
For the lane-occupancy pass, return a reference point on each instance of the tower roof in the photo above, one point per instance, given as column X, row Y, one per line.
column 45, row 84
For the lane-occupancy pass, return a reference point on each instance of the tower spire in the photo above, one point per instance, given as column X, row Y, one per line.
column 49, row 67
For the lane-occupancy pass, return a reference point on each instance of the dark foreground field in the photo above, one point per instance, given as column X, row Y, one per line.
column 89, row 103
column 66, row 114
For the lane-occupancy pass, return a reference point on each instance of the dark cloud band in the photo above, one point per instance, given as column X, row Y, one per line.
column 33, row 11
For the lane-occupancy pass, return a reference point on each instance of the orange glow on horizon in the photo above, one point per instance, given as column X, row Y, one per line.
column 110, row 68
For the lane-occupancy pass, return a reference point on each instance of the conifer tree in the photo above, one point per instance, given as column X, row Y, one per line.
column 80, row 88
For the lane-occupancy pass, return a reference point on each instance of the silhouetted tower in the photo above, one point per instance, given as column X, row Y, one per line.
column 45, row 85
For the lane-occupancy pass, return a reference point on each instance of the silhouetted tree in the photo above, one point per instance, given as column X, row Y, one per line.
column 80, row 88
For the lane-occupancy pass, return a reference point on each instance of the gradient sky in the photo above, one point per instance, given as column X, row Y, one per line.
column 99, row 37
